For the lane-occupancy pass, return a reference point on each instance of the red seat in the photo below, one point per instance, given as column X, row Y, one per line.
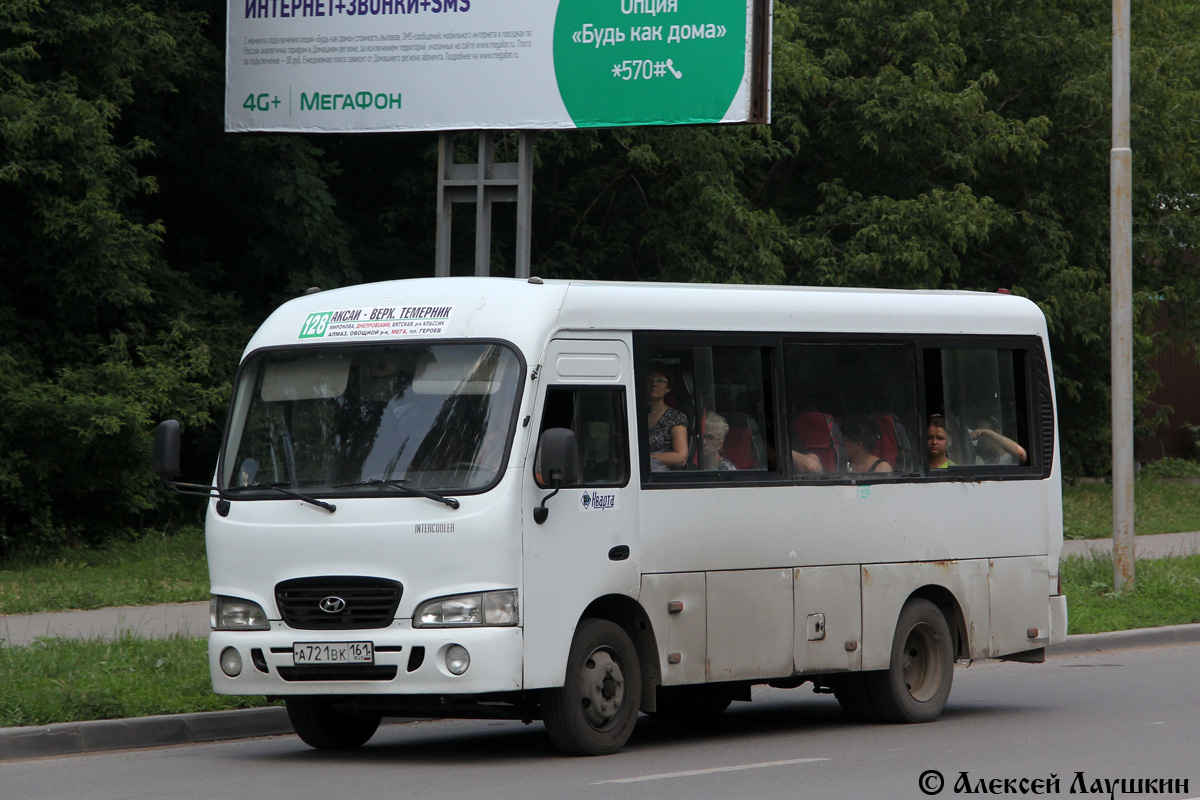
column 739, row 448
column 886, row 448
column 819, row 434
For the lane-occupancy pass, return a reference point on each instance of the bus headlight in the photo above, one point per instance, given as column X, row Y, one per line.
column 485, row 608
column 236, row 614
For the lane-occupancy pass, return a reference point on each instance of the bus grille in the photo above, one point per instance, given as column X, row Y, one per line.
column 338, row 602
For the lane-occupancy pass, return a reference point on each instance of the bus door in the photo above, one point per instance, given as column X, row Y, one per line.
column 587, row 547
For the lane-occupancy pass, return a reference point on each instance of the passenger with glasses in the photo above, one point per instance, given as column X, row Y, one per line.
column 668, row 426
column 715, row 429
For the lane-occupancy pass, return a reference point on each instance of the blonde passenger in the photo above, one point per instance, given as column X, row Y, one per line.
column 715, row 430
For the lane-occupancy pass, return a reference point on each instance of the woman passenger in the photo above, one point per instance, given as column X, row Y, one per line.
column 667, row 426
column 861, row 435
column 939, row 443
column 715, row 429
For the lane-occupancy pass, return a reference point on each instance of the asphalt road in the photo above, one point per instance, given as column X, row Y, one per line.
column 1091, row 717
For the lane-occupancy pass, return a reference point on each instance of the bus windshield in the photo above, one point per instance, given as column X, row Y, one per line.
column 369, row 418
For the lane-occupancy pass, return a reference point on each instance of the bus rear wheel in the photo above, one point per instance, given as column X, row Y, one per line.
column 916, row 684
column 594, row 712
column 320, row 725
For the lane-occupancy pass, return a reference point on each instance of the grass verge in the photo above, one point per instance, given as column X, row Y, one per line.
column 71, row 680
column 1167, row 593
column 1163, row 506
column 157, row 568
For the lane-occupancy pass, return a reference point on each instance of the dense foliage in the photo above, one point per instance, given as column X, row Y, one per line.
column 931, row 144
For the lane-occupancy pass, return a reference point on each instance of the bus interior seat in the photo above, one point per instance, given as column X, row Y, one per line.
column 743, row 443
column 895, row 445
column 818, row 433
column 906, row 452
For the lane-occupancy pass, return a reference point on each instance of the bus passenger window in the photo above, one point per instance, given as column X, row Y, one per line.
column 597, row 417
column 851, row 408
column 986, row 424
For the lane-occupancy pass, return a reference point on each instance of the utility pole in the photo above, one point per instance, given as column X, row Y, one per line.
column 1121, row 234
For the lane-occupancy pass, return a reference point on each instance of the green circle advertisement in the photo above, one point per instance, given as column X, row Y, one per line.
column 647, row 62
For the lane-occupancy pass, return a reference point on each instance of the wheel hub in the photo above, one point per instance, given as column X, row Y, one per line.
column 602, row 688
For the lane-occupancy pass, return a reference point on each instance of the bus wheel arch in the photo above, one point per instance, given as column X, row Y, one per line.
column 630, row 615
column 952, row 610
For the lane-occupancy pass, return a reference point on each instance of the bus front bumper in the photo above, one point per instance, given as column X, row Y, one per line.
column 403, row 661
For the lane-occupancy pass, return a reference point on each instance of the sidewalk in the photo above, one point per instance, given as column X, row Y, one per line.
column 150, row 622
column 1159, row 545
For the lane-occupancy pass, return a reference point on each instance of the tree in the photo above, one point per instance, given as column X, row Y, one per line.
column 942, row 145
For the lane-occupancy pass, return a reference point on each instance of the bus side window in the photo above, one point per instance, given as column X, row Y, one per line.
column 986, row 417
column 868, row 387
column 597, row 417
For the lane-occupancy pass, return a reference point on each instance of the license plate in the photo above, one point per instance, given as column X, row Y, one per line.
column 333, row 653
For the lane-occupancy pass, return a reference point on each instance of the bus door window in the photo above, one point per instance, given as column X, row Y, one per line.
column 597, row 417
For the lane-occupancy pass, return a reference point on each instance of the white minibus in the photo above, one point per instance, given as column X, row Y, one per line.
column 577, row 502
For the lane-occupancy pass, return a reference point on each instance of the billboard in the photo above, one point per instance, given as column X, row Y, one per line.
column 430, row 65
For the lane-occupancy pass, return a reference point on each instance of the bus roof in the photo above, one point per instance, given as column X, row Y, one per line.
column 527, row 312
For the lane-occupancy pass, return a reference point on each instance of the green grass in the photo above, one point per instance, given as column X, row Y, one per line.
column 1162, row 506
column 157, row 568
column 1167, row 593
column 71, row 680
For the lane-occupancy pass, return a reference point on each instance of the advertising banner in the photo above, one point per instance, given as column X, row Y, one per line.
column 409, row 65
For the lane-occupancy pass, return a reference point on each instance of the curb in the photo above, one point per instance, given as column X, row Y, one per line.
column 1124, row 640
column 71, row 738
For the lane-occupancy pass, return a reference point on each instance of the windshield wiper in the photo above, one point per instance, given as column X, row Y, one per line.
column 330, row 507
column 402, row 483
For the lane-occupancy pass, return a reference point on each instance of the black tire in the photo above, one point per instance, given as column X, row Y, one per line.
column 594, row 712
column 692, row 703
column 852, row 695
column 319, row 725
column 916, row 685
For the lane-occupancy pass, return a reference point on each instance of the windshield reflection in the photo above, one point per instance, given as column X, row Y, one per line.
column 372, row 419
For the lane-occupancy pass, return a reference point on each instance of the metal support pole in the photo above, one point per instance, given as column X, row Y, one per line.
column 483, row 184
column 1121, row 233
column 524, row 201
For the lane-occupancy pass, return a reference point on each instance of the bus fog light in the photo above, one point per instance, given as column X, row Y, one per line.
column 231, row 662
column 457, row 659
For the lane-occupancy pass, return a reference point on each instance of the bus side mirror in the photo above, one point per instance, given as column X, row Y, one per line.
column 560, row 456
column 166, row 449
column 560, row 464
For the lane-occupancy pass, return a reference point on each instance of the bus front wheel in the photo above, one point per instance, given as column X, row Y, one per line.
column 320, row 725
column 916, row 684
column 594, row 712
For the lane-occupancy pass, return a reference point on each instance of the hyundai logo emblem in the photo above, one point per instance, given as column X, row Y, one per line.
column 332, row 604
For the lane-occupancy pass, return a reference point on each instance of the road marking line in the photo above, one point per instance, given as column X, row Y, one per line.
column 709, row 771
